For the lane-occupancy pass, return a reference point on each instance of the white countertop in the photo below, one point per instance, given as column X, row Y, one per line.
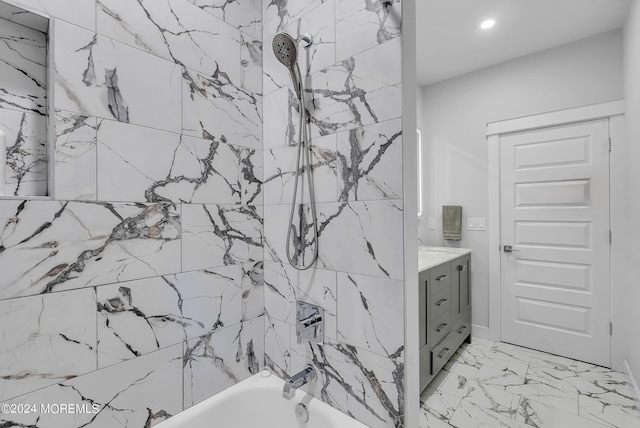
column 429, row 257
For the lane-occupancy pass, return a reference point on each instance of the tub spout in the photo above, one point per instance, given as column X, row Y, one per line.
column 297, row 380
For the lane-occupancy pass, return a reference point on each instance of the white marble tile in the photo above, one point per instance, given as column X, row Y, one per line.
column 139, row 317
column 54, row 246
column 371, row 313
column 284, row 286
column 362, row 237
column 23, row 68
column 219, row 360
column 535, row 413
column 251, row 175
column 245, row 15
column 281, row 119
column 26, row 135
column 366, row 386
column 175, row 30
column 76, row 156
column 137, row 393
column 182, row 169
column 364, row 24
column 107, row 79
column 251, row 60
column 277, row 14
column 469, row 415
column 280, row 166
column 277, row 346
column 252, row 290
column 612, row 409
column 369, row 159
column 452, row 384
column 220, row 235
column 354, row 237
column 358, row 91
column 215, row 108
column 436, row 409
column 78, row 12
column 322, row 52
column 46, row 339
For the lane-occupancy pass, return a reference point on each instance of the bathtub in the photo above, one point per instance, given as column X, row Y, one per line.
column 258, row 402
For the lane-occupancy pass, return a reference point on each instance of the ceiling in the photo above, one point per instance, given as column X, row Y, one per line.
column 451, row 43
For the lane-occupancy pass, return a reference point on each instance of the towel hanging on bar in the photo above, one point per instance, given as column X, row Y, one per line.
column 452, row 222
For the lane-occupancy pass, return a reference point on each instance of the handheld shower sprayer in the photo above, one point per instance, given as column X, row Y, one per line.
column 285, row 49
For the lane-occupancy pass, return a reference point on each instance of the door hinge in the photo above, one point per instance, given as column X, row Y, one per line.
column 609, row 144
column 610, row 329
column 610, row 237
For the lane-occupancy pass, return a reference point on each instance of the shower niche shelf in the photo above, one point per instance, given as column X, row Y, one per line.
column 26, row 131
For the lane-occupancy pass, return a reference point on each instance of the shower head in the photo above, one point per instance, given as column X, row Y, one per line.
column 285, row 49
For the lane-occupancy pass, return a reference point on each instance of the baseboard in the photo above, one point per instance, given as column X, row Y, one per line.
column 633, row 381
column 480, row 332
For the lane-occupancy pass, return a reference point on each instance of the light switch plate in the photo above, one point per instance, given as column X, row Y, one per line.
column 476, row 224
column 432, row 223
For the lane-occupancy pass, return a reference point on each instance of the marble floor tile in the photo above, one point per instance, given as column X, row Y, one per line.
column 494, row 384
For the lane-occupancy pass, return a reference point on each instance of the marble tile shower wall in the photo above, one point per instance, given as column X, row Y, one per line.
column 139, row 289
column 23, row 108
column 354, row 96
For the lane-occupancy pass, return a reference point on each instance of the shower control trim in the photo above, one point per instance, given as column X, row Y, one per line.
column 309, row 323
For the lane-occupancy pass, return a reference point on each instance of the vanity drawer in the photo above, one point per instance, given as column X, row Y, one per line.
column 425, row 367
column 440, row 327
column 440, row 278
column 440, row 302
column 442, row 352
column 461, row 329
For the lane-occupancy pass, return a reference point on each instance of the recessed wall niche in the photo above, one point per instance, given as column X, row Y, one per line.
column 24, row 106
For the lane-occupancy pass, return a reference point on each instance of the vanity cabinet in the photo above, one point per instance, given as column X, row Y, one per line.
column 444, row 307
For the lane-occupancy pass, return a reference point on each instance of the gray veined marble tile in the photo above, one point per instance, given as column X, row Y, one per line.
column 54, row 246
column 363, row 24
column 214, row 107
column 358, row 91
column 26, row 134
column 46, row 339
column 322, row 52
column 370, row 313
column 368, row 161
column 277, row 346
column 107, row 79
column 367, row 386
column 139, row 317
column 535, row 413
column 175, row 30
column 354, row 237
column 78, row 12
column 138, row 393
column 281, row 119
column 251, row 60
column 23, row 68
column 284, row 286
column 245, row 15
column 469, row 415
column 220, row 235
column 76, row 156
column 280, row 172
column 436, row 409
column 252, row 290
column 277, row 14
column 219, row 360
column 183, row 168
column 362, row 237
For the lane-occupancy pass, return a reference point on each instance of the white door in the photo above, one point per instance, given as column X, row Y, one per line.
column 555, row 215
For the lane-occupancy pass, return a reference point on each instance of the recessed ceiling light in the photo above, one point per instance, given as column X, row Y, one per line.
column 487, row 24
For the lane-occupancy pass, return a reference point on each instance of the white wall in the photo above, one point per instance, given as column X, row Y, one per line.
column 631, row 288
column 455, row 114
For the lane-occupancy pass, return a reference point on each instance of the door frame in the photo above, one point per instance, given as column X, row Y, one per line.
column 612, row 110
